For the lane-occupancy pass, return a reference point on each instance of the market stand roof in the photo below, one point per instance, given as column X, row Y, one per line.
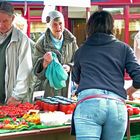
column 93, row 2
column 114, row 2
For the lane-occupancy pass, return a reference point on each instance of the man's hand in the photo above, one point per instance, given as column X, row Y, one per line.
column 13, row 101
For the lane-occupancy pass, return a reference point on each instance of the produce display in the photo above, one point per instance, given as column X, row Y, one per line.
column 16, row 111
column 133, row 108
column 43, row 113
column 13, row 123
column 13, row 117
column 33, row 118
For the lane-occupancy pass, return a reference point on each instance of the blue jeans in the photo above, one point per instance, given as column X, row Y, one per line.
column 100, row 118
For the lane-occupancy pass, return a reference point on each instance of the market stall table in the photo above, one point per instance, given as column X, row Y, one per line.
column 56, row 133
column 130, row 121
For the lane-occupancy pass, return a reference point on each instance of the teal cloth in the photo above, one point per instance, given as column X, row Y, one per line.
column 56, row 74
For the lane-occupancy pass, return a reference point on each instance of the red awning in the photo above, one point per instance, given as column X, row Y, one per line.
column 136, row 1
column 112, row 2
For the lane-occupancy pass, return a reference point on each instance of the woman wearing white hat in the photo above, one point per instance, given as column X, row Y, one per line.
column 59, row 40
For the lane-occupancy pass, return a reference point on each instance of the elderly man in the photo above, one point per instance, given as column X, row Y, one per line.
column 15, row 59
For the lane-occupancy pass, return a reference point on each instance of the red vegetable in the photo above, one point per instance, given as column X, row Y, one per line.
column 136, row 110
column 6, row 121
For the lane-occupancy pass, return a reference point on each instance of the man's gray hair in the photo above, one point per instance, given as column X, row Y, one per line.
column 6, row 7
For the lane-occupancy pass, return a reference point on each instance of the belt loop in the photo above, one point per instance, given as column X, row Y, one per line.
column 106, row 92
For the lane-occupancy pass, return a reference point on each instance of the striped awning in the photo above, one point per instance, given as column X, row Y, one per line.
column 115, row 2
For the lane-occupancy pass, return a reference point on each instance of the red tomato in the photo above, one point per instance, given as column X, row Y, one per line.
column 46, row 106
column 53, row 107
column 42, row 104
column 130, row 111
column 36, row 107
column 20, row 105
column 38, row 102
column 63, row 108
column 24, row 122
column 14, row 118
column 136, row 110
column 11, row 114
column 2, row 114
column 6, row 121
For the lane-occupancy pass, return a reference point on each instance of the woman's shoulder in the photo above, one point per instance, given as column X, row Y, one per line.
column 68, row 35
